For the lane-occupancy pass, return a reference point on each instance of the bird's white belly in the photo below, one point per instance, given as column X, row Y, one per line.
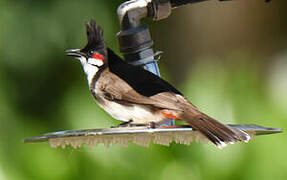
column 139, row 114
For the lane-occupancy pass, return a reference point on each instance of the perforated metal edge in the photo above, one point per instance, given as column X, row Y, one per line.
column 139, row 135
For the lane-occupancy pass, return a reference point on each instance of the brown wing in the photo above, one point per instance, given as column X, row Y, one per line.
column 114, row 88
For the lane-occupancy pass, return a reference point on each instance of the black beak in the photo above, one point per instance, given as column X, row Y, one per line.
column 75, row 53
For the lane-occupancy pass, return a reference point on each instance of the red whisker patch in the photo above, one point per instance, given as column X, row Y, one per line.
column 98, row 56
column 169, row 115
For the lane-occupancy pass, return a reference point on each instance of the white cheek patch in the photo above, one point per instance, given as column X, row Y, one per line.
column 91, row 71
column 97, row 62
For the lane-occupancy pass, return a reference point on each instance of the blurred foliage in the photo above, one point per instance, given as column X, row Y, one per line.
column 229, row 59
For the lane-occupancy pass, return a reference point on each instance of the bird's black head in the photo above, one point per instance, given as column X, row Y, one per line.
column 94, row 52
column 95, row 39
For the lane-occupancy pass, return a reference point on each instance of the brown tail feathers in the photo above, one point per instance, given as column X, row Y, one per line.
column 216, row 132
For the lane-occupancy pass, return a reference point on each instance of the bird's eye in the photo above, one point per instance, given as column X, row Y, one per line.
column 91, row 52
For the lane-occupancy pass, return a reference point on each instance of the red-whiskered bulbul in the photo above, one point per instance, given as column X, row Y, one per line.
column 131, row 94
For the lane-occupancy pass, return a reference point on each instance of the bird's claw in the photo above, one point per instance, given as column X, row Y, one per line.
column 152, row 125
column 125, row 124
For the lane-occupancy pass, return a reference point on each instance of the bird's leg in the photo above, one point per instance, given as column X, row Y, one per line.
column 124, row 124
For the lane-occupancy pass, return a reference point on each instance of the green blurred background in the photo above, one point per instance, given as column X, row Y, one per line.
column 229, row 59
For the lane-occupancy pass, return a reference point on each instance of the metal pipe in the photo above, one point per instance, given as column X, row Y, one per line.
column 134, row 10
column 178, row 3
column 131, row 12
column 134, row 39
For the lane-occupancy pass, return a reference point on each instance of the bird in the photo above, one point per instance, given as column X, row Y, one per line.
column 136, row 96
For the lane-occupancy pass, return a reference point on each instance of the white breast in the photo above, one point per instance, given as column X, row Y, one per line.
column 139, row 114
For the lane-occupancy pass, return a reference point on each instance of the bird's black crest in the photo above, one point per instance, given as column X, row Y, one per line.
column 95, row 37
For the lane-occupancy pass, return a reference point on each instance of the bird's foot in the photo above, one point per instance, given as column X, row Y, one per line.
column 152, row 125
column 125, row 124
